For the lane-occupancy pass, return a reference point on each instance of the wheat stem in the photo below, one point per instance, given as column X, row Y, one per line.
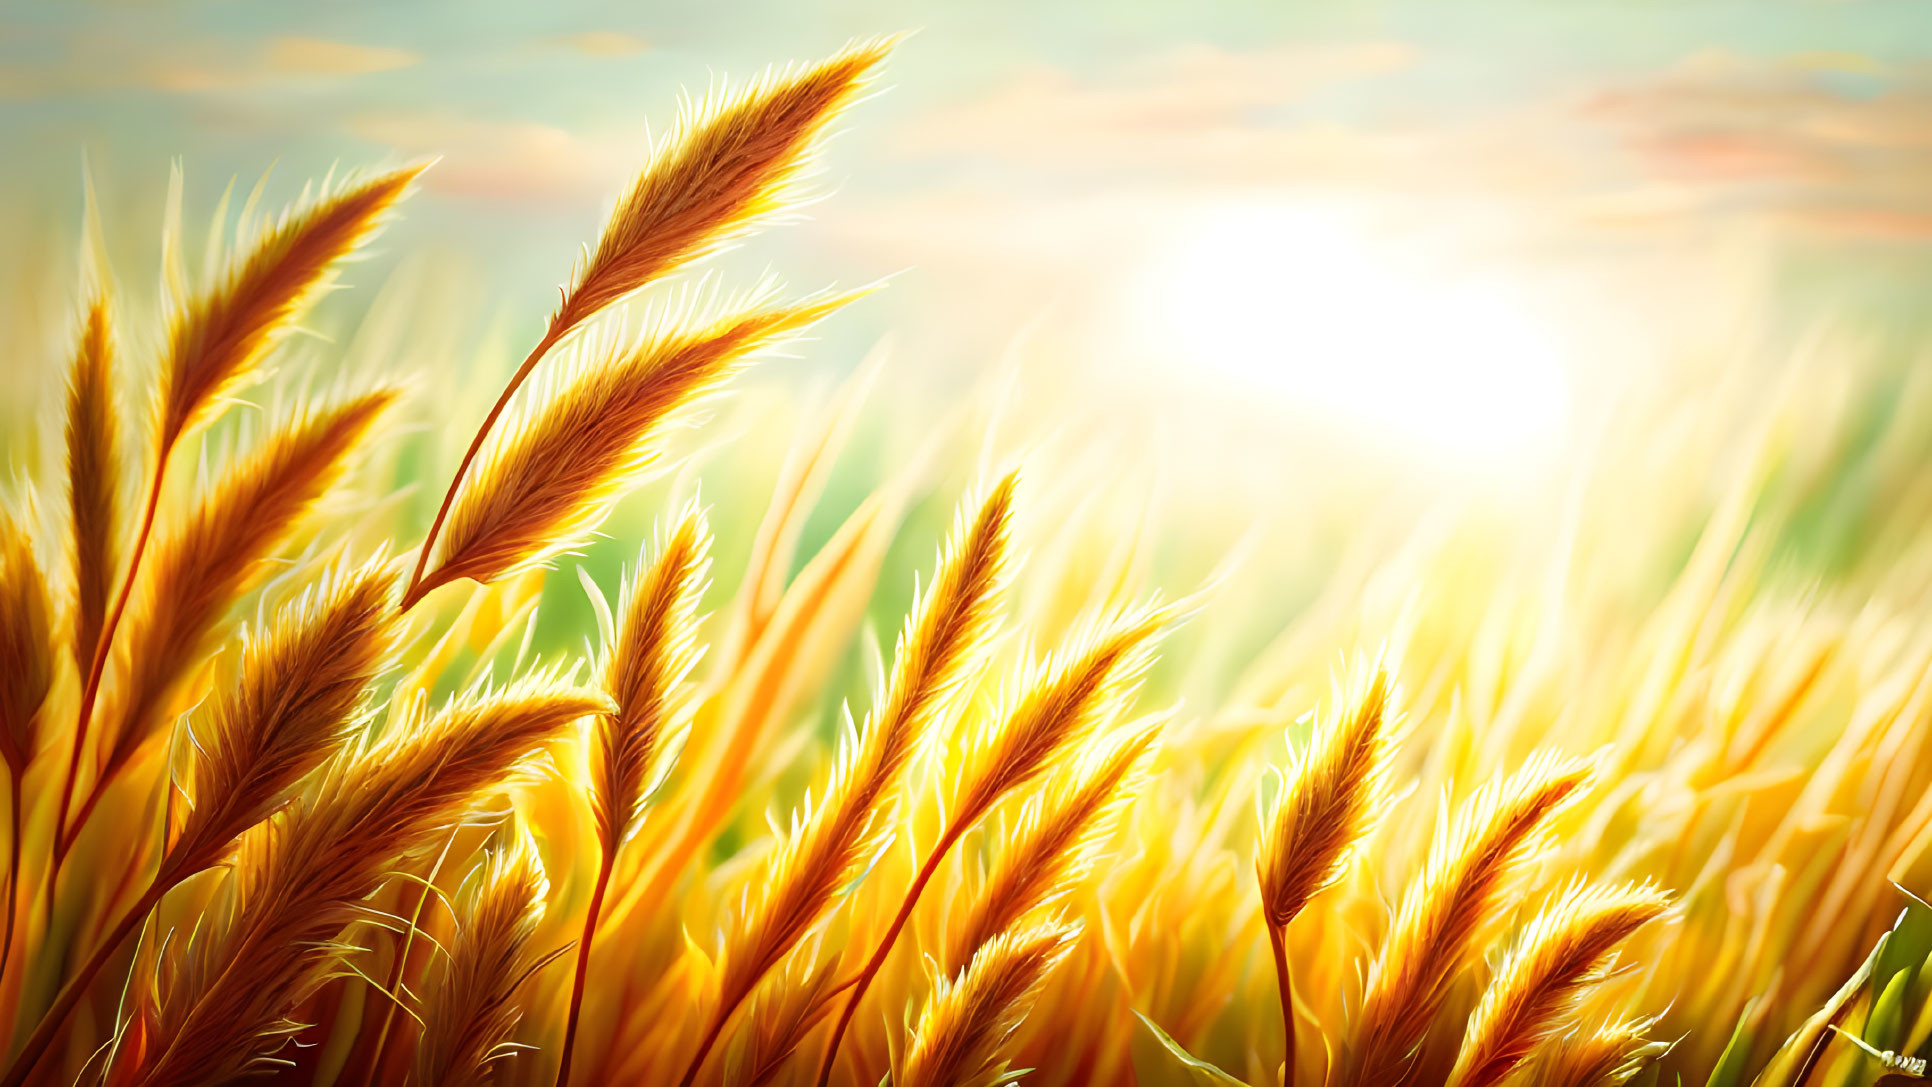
column 413, row 592
column 77, row 986
column 90, row 691
column 1278, row 943
column 13, row 865
column 583, row 967
column 873, row 965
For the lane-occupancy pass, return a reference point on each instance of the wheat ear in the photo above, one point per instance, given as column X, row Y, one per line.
column 299, row 695
column 785, row 1010
column 26, row 675
column 1533, row 996
column 215, row 342
column 961, row 1035
column 730, row 164
column 93, row 478
column 203, row 564
column 1064, row 701
column 1437, row 930
column 832, row 843
column 552, row 480
column 1607, row 1056
column 470, row 1009
column 1056, row 842
column 223, row 1005
column 656, row 648
column 1330, row 796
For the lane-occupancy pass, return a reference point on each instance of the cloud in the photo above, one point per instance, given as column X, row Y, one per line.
column 605, row 43
column 504, row 160
column 97, row 64
column 1823, row 145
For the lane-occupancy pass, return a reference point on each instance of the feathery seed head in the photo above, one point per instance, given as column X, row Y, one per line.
column 202, row 565
column 26, row 645
column 1445, row 911
column 1534, row 994
column 1058, row 837
column 1330, row 796
column 731, row 163
column 961, row 1035
column 219, row 337
column 301, row 693
column 225, row 1001
column 835, row 841
column 656, row 648
column 470, row 1009
column 1607, row 1056
column 554, row 475
column 93, row 477
column 1062, row 701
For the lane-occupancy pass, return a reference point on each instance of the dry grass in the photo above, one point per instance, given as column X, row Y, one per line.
column 1013, row 860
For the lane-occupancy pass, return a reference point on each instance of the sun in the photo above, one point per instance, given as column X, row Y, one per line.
column 1300, row 305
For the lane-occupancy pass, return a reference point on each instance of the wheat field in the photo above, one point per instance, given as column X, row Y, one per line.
column 291, row 795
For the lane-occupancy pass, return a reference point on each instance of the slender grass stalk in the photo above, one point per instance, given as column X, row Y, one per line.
column 217, row 339
column 1061, row 707
column 728, row 167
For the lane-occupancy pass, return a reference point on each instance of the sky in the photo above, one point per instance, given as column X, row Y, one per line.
column 1443, row 224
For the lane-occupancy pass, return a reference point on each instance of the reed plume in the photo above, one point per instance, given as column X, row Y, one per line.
column 1445, row 911
column 223, row 1004
column 785, row 1010
column 644, row 672
column 1330, row 795
column 219, row 337
column 93, row 477
column 300, row 694
column 951, row 624
column 961, row 1035
column 470, row 1010
column 203, row 564
column 1609, row 1055
column 1534, row 993
column 551, row 481
column 655, row 649
column 216, row 340
column 26, row 645
column 1057, row 840
column 26, row 677
column 1065, row 700
column 729, row 165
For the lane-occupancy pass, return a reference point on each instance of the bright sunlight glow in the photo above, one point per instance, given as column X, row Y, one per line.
column 1341, row 329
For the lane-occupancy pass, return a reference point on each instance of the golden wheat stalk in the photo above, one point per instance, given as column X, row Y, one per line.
column 26, row 676
column 780, row 1016
column 644, row 672
column 1330, row 797
column 202, row 565
column 1533, row 996
column 1057, row 840
column 224, row 1003
column 470, row 1009
column 552, row 480
column 93, row 478
column 1607, row 1056
column 1065, row 700
column 1445, row 911
column 656, row 647
column 961, row 1035
column 730, row 165
column 950, row 627
column 216, row 341
column 299, row 696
